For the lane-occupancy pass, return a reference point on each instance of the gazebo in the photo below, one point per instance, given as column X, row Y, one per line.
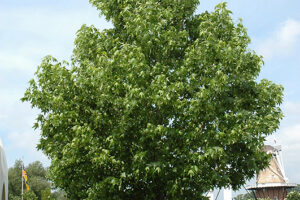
column 3, row 174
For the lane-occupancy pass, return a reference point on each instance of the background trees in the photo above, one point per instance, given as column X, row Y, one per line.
column 59, row 194
column 40, row 187
column 246, row 196
column 165, row 105
column 294, row 195
column 36, row 174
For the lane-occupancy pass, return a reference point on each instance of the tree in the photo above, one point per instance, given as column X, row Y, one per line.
column 12, row 197
column 248, row 197
column 14, row 180
column 165, row 105
column 29, row 195
column 244, row 196
column 37, row 179
column 46, row 194
column 293, row 195
column 59, row 195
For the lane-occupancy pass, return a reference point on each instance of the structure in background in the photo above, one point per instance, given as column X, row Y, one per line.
column 272, row 182
column 227, row 193
column 3, row 174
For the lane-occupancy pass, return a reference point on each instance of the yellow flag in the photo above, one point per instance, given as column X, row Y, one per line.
column 25, row 179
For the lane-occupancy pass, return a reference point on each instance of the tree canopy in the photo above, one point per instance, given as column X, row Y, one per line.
column 40, row 186
column 37, row 180
column 164, row 105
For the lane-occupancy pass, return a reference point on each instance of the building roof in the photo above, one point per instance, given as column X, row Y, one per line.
column 271, row 185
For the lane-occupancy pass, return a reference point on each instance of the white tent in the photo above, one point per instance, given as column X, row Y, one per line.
column 3, row 174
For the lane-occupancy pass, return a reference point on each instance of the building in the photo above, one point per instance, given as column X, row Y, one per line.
column 3, row 174
column 272, row 182
column 227, row 194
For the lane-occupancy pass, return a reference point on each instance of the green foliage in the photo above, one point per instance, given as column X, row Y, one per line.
column 59, row 195
column 246, row 196
column 165, row 105
column 36, row 175
column 293, row 195
column 14, row 180
column 46, row 194
column 29, row 195
column 12, row 197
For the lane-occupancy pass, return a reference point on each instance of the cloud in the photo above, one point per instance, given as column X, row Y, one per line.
column 13, row 61
column 23, row 144
column 292, row 107
column 28, row 34
column 16, row 121
column 283, row 41
column 23, row 140
column 15, row 114
column 289, row 139
column 288, row 136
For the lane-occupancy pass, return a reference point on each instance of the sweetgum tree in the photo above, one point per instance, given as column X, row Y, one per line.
column 165, row 105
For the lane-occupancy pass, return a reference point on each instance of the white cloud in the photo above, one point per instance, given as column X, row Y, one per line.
column 23, row 144
column 289, row 133
column 13, row 61
column 292, row 108
column 288, row 136
column 28, row 34
column 23, row 140
column 291, row 111
column 283, row 41
column 15, row 114
column 16, row 121
column 47, row 22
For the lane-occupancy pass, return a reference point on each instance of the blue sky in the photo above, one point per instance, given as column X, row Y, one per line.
column 32, row 29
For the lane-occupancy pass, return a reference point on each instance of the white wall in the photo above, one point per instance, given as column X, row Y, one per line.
column 3, row 173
